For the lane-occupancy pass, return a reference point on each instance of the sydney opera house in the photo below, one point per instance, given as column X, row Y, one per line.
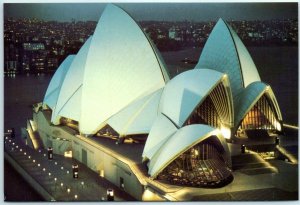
column 114, row 107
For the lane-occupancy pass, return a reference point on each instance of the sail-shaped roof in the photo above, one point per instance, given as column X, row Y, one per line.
column 121, row 66
column 69, row 99
column 184, row 92
column 225, row 52
column 249, row 96
column 56, row 82
column 192, row 135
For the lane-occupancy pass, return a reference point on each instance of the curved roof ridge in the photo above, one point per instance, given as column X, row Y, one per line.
column 57, row 81
column 120, row 50
column 248, row 98
column 160, row 60
column 248, row 69
column 192, row 134
column 73, row 80
column 236, row 49
column 225, row 52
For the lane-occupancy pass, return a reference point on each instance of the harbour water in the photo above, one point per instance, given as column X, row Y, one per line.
column 277, row 66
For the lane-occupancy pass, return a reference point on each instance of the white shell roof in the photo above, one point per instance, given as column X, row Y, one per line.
column 184, row 92
column 225, row 53
column 55, row 84
column 71, row 87
column 161, row 130
column 181, row 141
column 115, row 67
column 248, row 98
column 121, row 66
column 138, row 117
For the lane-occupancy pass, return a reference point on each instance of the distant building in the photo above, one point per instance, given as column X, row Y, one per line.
column 33, row 46
column 174, row 33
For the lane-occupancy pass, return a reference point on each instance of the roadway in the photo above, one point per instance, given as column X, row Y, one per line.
column 56, row 177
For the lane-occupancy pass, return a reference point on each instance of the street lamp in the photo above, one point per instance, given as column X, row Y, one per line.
column 243, row 148
column 50, row 153
column 110, row 195
column 75, row 171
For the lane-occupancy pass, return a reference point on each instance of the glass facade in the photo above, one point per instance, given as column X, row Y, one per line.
column 213, row 111
column 203, row 165
column 261, row 116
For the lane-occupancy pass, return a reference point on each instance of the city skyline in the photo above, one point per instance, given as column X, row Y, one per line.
column 154, row 11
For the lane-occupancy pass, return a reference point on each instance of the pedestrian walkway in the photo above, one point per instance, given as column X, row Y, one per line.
column 56, row 175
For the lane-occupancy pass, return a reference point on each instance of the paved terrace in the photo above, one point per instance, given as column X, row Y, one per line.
column 55, row 176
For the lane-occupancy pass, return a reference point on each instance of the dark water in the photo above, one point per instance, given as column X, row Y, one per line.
column 277, row 66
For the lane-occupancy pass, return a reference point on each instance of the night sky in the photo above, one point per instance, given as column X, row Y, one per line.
column 155, row 11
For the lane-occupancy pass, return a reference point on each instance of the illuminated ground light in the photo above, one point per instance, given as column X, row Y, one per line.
column 68, row 190
column 75, row 196
column 44, row 169
column 61, row 184
column 39, row 165
column 33, row 161
column 62, row 168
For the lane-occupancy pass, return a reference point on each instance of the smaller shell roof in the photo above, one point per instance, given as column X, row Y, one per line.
column 160, row 132
column 71, row 88
column 249, row 96
column 184, row 92
column 56, row 82
column 137, row 117
column 184, row 139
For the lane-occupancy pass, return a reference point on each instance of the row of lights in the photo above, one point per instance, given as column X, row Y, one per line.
column 44, row 169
